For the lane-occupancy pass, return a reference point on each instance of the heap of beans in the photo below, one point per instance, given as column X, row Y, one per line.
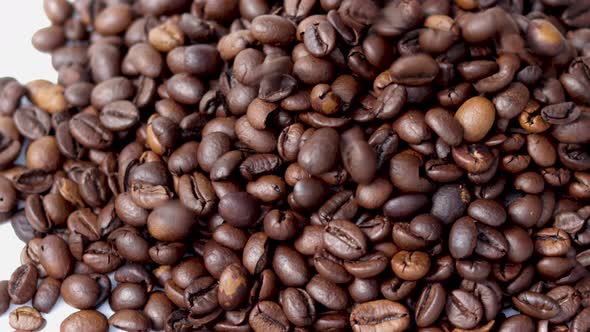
column 303, row 165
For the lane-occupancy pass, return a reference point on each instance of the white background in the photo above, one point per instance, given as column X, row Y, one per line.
column 19, row 20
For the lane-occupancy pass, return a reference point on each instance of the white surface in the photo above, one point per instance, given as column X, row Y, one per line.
column 18, row 22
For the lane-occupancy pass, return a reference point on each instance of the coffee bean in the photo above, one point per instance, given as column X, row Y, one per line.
column 4, row 296
column 159, row 227
column 268, row 316
column 26, row 318
column 80, row 291
column 87, row 320
column 89, row 132
column 119, row 115
column 344, row 239
column 449, row 202
column 430, row 304
column 273, row 30
column 356, row 151
column 32, row 123
column 55, row 257
column 130, row 320
column 463, row 309
column 580, row 322
column 320, row 39
column 113, row 89
column 290, row 267
column 239, row 209
column 380, row 314
column 536, row 305
column 319, row 153
column 23, row 284
column 476, row 115
column 11, row 93
column 157, row 309
column 416, row 69
column 520, row 322
column 327, row 293
column 410, row 265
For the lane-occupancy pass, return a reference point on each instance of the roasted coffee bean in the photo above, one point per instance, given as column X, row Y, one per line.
column 449, row 202
column 430, row 304
column 327, row 293
column 410, row 265
column 344, row 239
column 55, row 257
column 298, row 306
column 47, row 295
column 536, row 305
column 157, row 309
column 130, row 320
column 87, row 130
column 33, row 123
column 380, row 314
column 273, row 30
column 23, row 284
column 87, row 320
column 239, row 209
column 580, row 322
column 80, row 291
column 11, row 92
column 119, row 115
column 463, row 309
column 26, row 319
column 159, row 227
column 127, row 296
column 290, row 267
column 268, row 316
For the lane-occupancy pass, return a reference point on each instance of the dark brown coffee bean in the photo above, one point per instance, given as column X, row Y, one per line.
column 11, row 93
column 273, row 30
column 87, row 320
column 130, row 320
column 449, row 202
column 320, row 39
column 580, row 322
column 416, row 69
column 268, row 316
column 239, row 209
column 536, row 305
column 33, row 123
column 410, row 265
column 117, row 88
column 344, row 239
column 80, row 291
column 290, row 267
column 380, row 314
column 159, row 227
column 327, row 293
column 119, row 115
column 55, row 257
column 463, row 309
column 23, row 284
column 88, row 131
column 430, row 304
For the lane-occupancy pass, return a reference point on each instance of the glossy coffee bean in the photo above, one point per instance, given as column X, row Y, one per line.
column 344, row 239
column 380, row 314
column 22, row 284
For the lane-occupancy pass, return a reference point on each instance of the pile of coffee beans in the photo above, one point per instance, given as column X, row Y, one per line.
column 303, row 165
